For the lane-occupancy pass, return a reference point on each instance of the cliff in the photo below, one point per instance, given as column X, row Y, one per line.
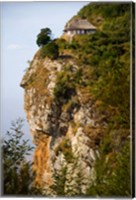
column 60, row 128
column 72, row 123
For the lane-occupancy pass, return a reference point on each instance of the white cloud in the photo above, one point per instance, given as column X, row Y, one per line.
column 14, row 46
column 17, row 46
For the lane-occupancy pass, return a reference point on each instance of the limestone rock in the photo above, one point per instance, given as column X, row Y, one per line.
column 63, row 133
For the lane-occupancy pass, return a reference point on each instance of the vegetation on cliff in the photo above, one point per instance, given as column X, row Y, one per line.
column 104, row 70
column 82, row 88
column 106, row 56
column 49, row 47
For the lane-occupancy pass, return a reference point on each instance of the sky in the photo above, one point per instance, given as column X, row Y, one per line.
column 20, row 24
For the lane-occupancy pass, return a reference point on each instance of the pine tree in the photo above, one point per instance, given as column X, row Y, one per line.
column 17, row 169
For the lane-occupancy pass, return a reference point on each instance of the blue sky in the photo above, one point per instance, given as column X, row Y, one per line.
column 20, row 24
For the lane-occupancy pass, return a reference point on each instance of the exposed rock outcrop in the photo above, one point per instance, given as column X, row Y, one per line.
column 66, row 133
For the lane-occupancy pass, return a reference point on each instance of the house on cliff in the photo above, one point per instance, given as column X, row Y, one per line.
column 79, row 27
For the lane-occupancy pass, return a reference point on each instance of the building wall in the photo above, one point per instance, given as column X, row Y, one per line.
column 80, row 32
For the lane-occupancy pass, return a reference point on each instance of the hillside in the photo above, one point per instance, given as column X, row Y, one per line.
column 78, row 108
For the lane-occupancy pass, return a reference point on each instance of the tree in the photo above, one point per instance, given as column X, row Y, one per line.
column 18, row 176
column 44, row 37
column 112, row 172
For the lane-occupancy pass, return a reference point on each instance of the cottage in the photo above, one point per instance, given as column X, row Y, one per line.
column 79, row 27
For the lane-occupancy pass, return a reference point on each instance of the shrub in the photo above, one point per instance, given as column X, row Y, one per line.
column 50, row 50
column 65, row 86
column 65, row 147
column 61, row 43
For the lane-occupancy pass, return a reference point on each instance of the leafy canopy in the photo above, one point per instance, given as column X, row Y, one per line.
column 44, row 37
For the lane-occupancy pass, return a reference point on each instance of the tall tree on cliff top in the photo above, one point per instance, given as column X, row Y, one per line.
column 44, row 37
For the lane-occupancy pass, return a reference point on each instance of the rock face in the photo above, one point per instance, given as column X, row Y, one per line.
column 66, row 132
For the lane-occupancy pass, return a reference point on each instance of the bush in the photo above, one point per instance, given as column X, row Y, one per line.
column 61, row 43
column 65, row 85
column 50, row 50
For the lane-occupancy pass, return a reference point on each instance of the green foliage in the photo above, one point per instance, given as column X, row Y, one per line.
column 104, row 66
column 121, row 176
column 68, row 80
column 65, row 147
column 49, row 47
column 50, row 50
column 65, row 84
column 59, row 182
column 97, row 11
column 104, row 57
column 74, row 44
column 68, row 183
column 18, row 176
column 44, row 37
column 62, row 44
column 112, row 171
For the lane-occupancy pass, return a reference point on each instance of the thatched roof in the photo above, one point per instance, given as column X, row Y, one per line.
column 79, row 24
